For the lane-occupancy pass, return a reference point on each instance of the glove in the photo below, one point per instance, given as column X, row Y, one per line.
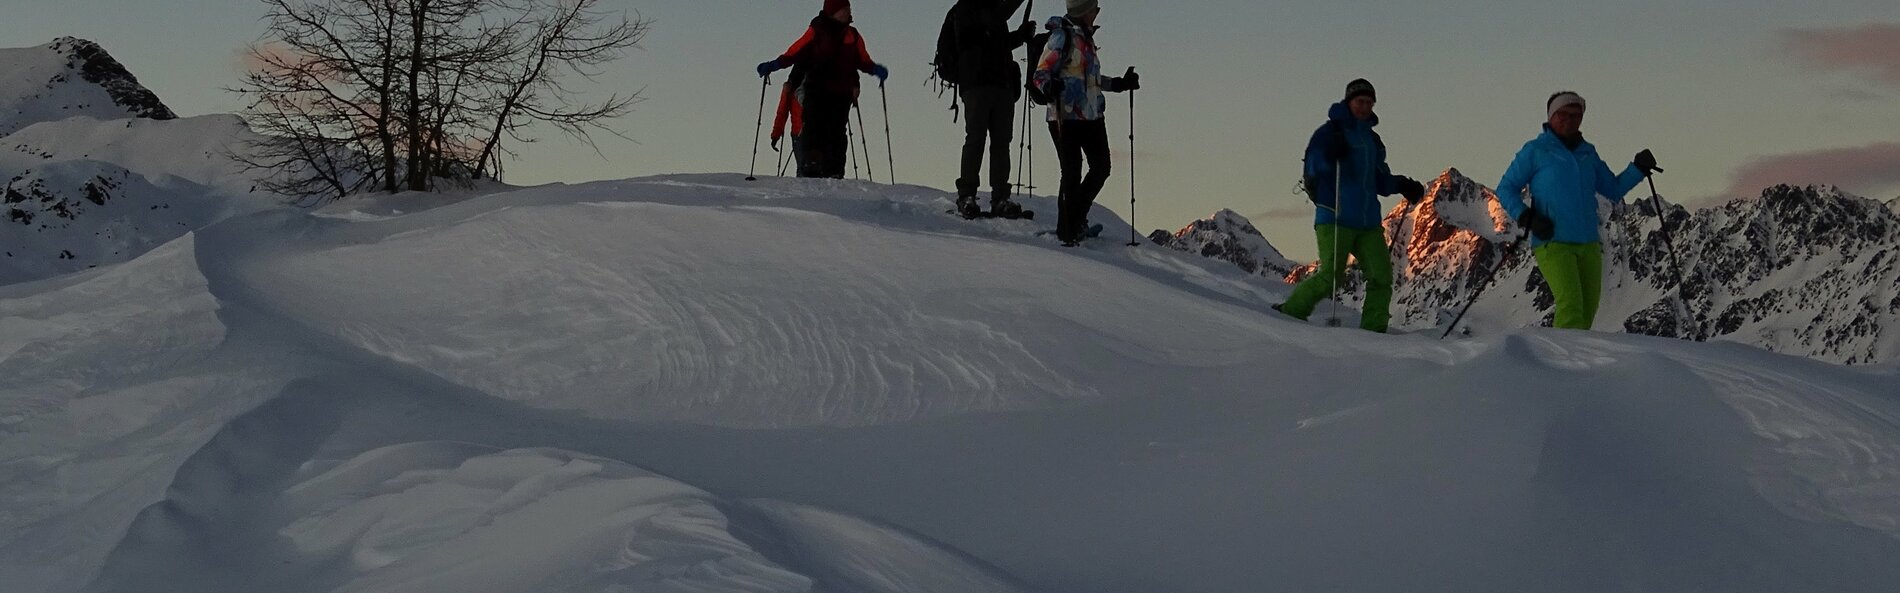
column 1053, row 89
column 1339, row 149
column 1130, row 81
column 880, row 72
column 1311, row 185
column 1647, row 162
column 1026, row 31
column 775, row 143
column 766, row 68
column 1539, row 225
column 1411, row 189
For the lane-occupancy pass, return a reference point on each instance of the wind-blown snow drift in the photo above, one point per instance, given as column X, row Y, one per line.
column 697, row 383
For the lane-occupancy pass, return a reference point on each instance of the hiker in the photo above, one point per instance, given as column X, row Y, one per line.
column 1070, row 75
column 1564, row 176
column 1345, row 174
column 791, row 107
column 989, row 82
column 832, row 53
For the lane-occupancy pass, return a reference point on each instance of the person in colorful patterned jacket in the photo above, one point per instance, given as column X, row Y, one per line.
column 1564, row 175
column 833, row 54
column 1070, row 73
column 1344, row 176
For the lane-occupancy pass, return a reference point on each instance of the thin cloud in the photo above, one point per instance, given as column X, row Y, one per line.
column 1872, row 49
column 1865, row 170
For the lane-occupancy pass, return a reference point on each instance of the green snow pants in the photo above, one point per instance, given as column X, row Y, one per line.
column 1575, row 274
column 1365, row 245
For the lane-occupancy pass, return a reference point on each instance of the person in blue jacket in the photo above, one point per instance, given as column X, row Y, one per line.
column 1564, row 175
column 1344, row 176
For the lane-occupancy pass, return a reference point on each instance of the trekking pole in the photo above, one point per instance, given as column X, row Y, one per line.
column 866, row 139
column 1022, row 145
column 851, row 145
column 1339, row 262
column 764, row 84
column 1132, row 240
column 891, row 158
column 1663, row 221
column 1488, row 278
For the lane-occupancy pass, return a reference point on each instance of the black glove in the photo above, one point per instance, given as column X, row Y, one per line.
column 1026, row 31
column 1130, row 81
column 775, row 144
column 1311, row 185
column 1339, row 149
column 1539, row 225
column 1646, row 162
column 1411, row 189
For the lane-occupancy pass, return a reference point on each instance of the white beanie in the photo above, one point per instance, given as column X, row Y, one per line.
column 1561, row 100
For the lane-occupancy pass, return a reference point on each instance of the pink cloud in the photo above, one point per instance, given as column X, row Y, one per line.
column 1864, row 170
column 1873, row 48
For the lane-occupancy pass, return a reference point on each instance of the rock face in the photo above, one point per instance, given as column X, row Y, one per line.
column 1808, row 271
column 94, row 169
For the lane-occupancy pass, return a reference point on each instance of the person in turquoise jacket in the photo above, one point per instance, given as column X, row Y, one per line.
column 1564, row 176
column 1344, row 176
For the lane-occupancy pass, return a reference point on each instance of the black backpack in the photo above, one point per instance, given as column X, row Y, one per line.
column 946, row 61
column 1037, row 46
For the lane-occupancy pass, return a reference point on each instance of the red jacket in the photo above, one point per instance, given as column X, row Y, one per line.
column 833, row 54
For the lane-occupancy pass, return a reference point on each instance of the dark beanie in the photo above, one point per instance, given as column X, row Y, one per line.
column 832, row 6
column 1360, row 87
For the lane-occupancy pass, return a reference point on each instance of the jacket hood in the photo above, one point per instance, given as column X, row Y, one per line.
column 1339, row 112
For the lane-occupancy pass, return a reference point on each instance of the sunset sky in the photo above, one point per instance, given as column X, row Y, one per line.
column 1732, row 96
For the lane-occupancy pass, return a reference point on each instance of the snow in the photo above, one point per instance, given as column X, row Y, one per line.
column 698, row 383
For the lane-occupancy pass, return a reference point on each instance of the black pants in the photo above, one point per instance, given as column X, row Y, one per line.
column 824, row 138
column 987, row 111
column 1075, row 140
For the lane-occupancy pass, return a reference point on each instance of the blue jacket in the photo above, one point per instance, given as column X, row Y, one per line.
column 1564, row 184
column 1363, row 178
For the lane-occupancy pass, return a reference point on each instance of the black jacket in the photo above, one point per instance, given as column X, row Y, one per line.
column 986, row 44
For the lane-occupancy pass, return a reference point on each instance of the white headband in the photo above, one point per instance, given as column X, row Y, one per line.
column 1563, row 100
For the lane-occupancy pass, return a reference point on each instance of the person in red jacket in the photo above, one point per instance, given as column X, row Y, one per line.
column 832, row 54
column 791, row 107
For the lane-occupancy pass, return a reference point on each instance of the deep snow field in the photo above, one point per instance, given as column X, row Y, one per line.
column 697, row 383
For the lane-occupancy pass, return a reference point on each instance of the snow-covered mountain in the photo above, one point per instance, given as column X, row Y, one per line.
column 97, row 169
column 1229, row 237
column 67, row 78
column 1807, row 271
column 699, row 383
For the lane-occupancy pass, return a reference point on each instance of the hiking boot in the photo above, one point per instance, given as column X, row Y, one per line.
column 1005, row 207
column 968, row 207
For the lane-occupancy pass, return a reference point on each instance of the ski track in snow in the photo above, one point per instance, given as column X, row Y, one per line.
column 692, row 383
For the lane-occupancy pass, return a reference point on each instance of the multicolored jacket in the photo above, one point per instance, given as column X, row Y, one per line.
column 833, row 54
column 1563, row 183
column 1081, row 72
column 1362, row 176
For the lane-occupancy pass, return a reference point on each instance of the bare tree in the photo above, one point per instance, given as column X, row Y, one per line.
column 353, row 95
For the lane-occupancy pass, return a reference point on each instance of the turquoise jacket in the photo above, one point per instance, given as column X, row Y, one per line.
column 1363, row 177
column 1563, row 183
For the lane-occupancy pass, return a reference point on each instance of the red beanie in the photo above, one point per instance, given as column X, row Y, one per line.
column 833, row 6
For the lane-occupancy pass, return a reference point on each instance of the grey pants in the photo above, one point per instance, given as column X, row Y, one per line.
column 991, row 111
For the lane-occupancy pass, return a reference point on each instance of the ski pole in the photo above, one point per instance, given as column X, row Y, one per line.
column 1663, row 221
column 1488, row 278
column 1132, row 240
column 1339, row 261
column 891, row 158
column 764, row 84
column 851, row 145
column 866, row 139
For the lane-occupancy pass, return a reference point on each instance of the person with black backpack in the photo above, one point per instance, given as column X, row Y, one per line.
column 1344, row 176
column 975, row 53
column 833, row 54
column 1069, row 80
